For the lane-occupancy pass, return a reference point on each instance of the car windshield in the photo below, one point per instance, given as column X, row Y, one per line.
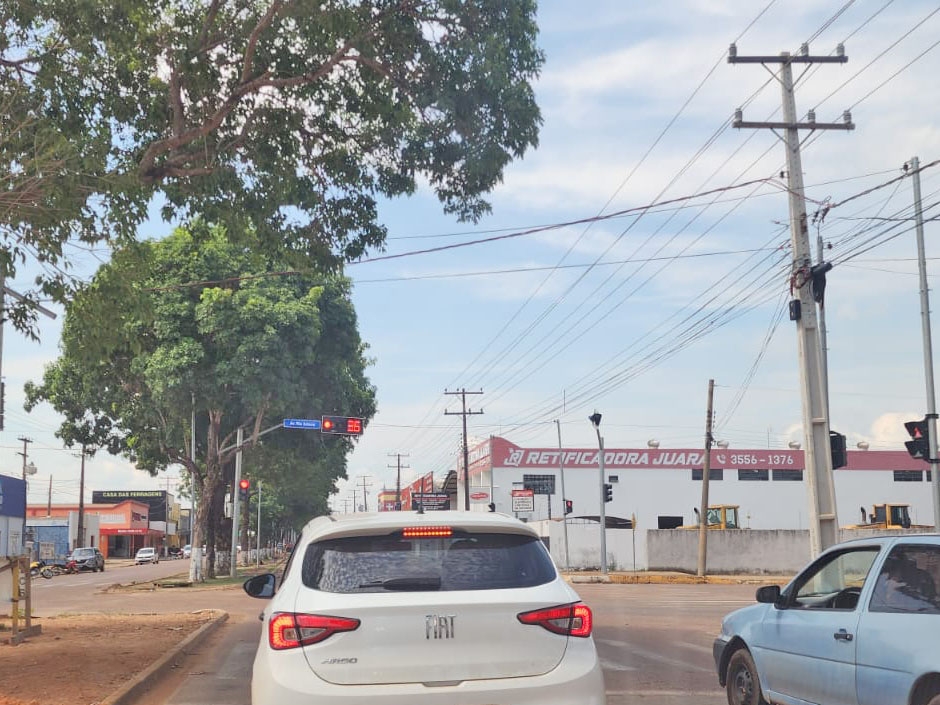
column 83, row 553
column 393, row 563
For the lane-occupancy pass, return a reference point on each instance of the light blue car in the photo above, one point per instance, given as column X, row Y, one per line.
column 859, row 626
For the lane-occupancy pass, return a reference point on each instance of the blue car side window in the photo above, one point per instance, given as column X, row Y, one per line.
column 908, row 581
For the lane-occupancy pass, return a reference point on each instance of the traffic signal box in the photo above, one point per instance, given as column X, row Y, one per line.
column 243, row 487
column 345, row 425
column 569, row 506
column 918, row 447
column 608, row 492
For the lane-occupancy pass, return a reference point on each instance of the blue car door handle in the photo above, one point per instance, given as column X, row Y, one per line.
column 842, row 635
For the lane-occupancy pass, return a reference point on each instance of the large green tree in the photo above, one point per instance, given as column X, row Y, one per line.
column 290, row 115
column 197, row 322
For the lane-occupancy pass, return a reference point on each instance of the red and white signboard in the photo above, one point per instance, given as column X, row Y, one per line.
column 479, row 495
column 523, row 500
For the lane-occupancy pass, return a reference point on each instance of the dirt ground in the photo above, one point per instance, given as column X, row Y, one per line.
column 46, row 670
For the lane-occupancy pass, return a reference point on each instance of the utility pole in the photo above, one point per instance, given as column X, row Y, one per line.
column 355, row 503
column 466, row 450
column 564, row 505
column 398, row 477
column 365, row 493
column 26, row 441
column 49, row 499
column 807, row 282
column 80, row 540
column 928, row 348
column 706, row 474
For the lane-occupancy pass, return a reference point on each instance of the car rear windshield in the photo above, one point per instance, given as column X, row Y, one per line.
column 84, row 552
column 487, row 561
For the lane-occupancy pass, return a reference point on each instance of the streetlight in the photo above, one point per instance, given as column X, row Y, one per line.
column 595, row 420
column 722, row 444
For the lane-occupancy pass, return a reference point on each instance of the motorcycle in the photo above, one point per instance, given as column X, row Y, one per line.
column 70, row 566
column 39, row 567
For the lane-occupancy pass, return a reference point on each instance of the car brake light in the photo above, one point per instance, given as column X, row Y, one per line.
column 424, row 532
column 288, row 631
column 571, row 620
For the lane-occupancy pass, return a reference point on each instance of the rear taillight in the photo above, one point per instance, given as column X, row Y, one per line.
column 287, row 630
column 572, row 620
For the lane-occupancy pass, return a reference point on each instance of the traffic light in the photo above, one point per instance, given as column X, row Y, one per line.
column 243, row 487
column 345, row 425
column 837, row 450
column 608, row 492
column 918, row 447
column 569, row 506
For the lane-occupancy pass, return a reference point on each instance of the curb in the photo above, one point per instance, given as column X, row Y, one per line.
column 126, row 694
column 678, row 579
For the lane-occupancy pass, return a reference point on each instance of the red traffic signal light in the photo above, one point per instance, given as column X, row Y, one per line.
column 918, row 447
column 345, row 425
column 243, row 487
column 569, row 506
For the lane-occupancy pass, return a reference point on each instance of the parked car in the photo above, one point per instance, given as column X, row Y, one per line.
column 437, row 608
column 187, row 551
column 858, row 626
column 146, row 555
column 88, row 558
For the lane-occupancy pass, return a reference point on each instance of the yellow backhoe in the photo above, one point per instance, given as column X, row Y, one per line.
column 888, row 516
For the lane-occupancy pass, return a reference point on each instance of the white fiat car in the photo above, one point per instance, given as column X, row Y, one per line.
column 439, row 608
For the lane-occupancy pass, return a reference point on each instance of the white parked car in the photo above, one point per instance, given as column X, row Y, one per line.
column 439, row 608
column 146, row 555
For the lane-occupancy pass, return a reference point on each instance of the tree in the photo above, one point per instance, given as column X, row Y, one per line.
column 197, row 322
column 291, row 117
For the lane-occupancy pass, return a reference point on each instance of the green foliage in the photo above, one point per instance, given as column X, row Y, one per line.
column 290, row 117
column 195, row 318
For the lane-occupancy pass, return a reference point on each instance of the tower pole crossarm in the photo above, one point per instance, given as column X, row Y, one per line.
column 795, row 125
column 786, row 58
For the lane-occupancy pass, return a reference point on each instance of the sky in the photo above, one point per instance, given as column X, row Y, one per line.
column 686, row 280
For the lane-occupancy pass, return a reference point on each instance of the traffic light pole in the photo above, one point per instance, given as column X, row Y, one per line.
column 236, row 502
column 823, row 524
column 928, row 348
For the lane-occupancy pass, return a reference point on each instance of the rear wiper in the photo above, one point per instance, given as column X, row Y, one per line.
column 414, row 583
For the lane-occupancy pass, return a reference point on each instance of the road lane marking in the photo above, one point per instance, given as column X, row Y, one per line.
column 653, row 656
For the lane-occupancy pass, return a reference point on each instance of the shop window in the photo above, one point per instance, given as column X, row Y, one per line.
column 909, row 475
column 788, row 475
column 713, row 474
column 753, row 475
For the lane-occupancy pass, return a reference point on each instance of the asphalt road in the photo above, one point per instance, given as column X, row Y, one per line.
column 654, row 641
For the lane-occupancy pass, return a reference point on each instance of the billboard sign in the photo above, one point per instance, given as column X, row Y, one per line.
column 430, row 501
column 523, row 501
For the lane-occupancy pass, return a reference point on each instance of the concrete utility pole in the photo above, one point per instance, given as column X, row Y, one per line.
column 928, row 348
column 466, row 450
column 80, row 540
column 365, row 493
column 564, row 506
column 805, row 281
column 258, row 529
column 706, row 475
column 355, row 503
column 398, row 478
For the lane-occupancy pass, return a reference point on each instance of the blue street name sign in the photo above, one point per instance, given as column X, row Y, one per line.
column 302, row 423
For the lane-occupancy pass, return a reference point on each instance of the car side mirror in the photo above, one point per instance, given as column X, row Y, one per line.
column 769, row 594
column 261, row 586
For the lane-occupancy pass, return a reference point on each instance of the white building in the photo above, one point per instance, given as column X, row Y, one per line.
column 662, row 486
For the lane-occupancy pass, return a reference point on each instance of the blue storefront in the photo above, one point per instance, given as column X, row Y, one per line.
column 12, row 515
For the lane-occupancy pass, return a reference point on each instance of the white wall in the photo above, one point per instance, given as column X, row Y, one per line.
column 649, row 493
